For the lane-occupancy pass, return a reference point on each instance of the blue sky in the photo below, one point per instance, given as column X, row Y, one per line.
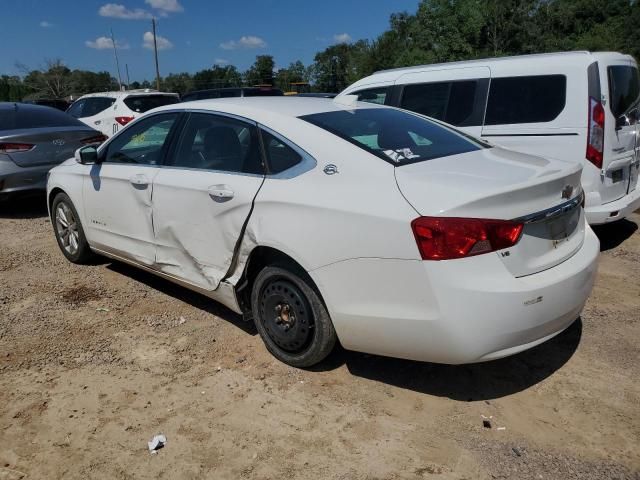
column 193, row 34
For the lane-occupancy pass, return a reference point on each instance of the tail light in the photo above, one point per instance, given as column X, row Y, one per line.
column 595, row 140
column 446, row 238
column 9, row 147
column 123, row 120
column 95, row 139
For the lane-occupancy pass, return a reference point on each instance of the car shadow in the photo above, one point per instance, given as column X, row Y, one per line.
column 183, row 294
column 24, row 206
column 613, row 234
column 472, row 382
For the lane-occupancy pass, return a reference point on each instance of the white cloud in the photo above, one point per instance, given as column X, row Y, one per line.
column 163, row 43
column 114, row 10
column 248, row 41
column 342, row 38
column 102, row 43
column 45, row 24
column 165, row 5
column 220, row 61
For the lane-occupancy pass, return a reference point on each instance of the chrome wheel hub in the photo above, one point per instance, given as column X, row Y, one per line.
column 67, row 228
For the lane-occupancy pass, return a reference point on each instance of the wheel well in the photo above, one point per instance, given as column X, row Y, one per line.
column 52, row 196
column 259, row 258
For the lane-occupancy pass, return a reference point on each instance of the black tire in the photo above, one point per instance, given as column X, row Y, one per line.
column 81, row 254
column 300, row 333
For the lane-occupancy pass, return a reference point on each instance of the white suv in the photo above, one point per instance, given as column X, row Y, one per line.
column 578, row 106
column 110, row 111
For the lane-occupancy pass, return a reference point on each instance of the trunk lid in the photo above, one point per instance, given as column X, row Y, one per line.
column 496, row 183
column 52, row 146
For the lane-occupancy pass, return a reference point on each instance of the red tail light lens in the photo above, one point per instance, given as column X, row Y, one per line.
column 446, row 238
column 95, row 139
column 7, row 147
column 595, row 140
column 123, row 120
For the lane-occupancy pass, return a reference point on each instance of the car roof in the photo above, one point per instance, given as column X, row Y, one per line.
column 125, row 93
column 262, row 109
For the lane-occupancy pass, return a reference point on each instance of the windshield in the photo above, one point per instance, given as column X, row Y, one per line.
column 144, row 103
column 624, row 89
column 398, row 137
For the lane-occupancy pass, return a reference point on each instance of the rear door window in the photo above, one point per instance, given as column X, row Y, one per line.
column 95, row 105
column 75, row 110
column 395, row 136
column 452, row 102
column 144, row 103
column 530, row 99
column 624, row 89
column 373, row 95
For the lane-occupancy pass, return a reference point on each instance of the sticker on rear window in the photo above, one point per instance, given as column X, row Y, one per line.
column 400, row 154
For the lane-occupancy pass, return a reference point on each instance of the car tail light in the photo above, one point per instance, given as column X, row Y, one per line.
column 95, row 139
column 446, row 238
column 123, row 120
column 595, row 140
column 9, row 147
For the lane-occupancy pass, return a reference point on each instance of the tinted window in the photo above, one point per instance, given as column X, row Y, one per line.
column 280, row 156
column 624, row 89
column 95, row 105
column 214, row 142
column 75, row 110
column 525, row 99
column 395, row 136
column 142, row 143
column 373, row 95
column 262, row 92
column 144, row 103
column 17, row 116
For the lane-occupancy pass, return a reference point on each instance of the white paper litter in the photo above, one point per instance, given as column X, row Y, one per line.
column 156, row 443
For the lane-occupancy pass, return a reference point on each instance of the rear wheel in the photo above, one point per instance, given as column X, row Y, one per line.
column 291, row 318
column 68, row 230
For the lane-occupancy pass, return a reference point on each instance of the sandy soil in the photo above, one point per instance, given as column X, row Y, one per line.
column 95, row 360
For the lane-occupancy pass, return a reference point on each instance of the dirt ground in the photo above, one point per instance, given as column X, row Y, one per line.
column 95, row 360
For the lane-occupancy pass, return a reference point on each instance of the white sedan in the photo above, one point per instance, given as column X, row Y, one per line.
column 331, row 220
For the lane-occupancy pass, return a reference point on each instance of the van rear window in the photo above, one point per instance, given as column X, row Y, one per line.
column 530, row 99
column 624, row 88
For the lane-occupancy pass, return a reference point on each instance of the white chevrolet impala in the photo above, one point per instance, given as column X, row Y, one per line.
column 331, row 220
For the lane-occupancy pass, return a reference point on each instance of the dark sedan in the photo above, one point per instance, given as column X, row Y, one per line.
column 33, row 139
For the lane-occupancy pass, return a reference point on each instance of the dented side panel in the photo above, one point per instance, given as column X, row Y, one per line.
column 197, row 230
column 118, row 209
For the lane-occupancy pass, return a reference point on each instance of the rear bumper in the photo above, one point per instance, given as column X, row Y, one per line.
column 459, row 311
column 15, row 179
column 613, row 211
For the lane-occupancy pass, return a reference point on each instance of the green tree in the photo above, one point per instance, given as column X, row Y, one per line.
column 261, row 72
column 178, row 83
column 217, row 77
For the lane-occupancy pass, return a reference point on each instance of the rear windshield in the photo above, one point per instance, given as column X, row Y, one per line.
column 398, row 137
column 34, row 116
column 262, row 92
column 624, row 89
column 144, row 103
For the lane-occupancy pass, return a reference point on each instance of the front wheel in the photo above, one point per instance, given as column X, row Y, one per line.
column 68, row 230
column 291, row 318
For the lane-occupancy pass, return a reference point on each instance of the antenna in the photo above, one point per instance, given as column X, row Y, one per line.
column 115, row 53
column 155, row 50
column 126, row 66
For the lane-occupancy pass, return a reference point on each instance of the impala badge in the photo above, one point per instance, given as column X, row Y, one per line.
column 330, row 169
column 567, row 191
column 58, row 141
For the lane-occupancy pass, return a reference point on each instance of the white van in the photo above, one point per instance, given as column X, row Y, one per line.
column 579, row 106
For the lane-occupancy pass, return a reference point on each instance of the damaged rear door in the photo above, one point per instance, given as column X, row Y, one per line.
column 118, row 191
column 203, row 196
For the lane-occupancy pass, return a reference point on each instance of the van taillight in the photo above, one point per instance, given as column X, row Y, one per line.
column 446, row 238
column 595, row 134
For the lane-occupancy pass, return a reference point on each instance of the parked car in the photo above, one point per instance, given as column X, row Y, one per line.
column 317, row 95
column 58, row 103
column 577, row 106
column 110, row 111
column 323, row 220
column 232, row 92
column 32, row 140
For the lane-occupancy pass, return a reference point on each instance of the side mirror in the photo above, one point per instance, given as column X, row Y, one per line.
column 86, row 155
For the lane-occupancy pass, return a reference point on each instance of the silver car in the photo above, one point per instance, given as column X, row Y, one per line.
column 33, row 139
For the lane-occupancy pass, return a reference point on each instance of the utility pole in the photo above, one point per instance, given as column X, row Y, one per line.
column 126, row 66
column 115, row 53
column 155, row 50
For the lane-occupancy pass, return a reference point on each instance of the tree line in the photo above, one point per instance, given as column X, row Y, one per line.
column 439, row 31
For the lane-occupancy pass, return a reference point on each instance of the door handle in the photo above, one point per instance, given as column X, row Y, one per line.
column 220, row 193
column 139, row 180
